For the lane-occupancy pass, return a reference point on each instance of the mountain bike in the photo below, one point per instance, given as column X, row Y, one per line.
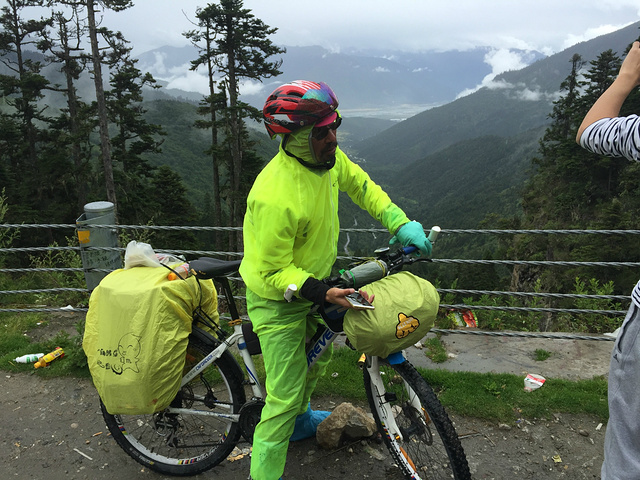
column 218, row 403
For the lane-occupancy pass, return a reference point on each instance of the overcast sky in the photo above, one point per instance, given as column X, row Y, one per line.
column 548, row 26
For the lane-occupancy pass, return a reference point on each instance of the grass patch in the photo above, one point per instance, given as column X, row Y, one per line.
column 497, row 397
column 435, row 350
column 541, row 355
column 501, row 397
column 14, row 343
column 343, row 377
column 490, row 396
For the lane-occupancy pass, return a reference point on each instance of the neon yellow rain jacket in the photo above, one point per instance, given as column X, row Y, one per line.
column 291, row 225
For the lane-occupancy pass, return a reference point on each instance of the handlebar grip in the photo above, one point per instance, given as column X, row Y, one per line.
column 433, row 234
column 409, row 249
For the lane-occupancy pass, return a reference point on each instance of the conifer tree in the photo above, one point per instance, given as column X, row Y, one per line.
column 574, row 189
column 93, row 7
column 22, row 122
column 210, row 109
column 133, row 136
column 240, row 51
column 70, row 130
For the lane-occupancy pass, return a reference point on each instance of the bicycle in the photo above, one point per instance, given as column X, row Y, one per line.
column 211, row 412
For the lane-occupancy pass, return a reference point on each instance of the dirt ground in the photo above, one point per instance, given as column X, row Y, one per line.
column 53, row 428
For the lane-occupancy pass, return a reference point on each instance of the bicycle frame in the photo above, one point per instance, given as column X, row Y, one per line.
column 236, row 338
column 321, row 341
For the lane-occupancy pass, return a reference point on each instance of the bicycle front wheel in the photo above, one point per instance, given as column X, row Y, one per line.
column 195, row 439
column 413, row 422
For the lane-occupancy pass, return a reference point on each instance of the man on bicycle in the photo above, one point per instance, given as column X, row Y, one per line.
column 290, row 234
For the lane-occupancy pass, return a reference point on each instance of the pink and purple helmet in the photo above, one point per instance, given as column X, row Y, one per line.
column 299, row 104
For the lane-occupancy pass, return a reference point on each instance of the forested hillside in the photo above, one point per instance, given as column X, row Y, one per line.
column 470, row 159
column 476, row 159
column 461, row 184
column 517, row 101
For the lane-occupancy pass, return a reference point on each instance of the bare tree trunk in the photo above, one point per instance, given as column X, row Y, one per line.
column 217, row 202
column 236, row 153
column 105, row 143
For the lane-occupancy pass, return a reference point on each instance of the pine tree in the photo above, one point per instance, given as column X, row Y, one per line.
column 209, row 108
column 70, row 131
column 240, row 51
column 133, row 136
column 574, row 189
column 93, row 7
column 23, row 122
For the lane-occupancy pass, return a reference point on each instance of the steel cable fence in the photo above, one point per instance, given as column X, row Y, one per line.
column 6, row 305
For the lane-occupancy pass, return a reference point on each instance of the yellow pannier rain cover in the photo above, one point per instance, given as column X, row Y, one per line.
column 406, row 308
column 136, row 336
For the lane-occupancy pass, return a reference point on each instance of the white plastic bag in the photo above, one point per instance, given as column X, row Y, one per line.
column 139, row 254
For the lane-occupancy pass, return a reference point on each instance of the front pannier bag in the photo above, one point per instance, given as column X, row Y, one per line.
column 136, row 336
column 406, row 308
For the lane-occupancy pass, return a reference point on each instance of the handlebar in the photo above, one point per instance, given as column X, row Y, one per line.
column 385, row 263
column 433, row 236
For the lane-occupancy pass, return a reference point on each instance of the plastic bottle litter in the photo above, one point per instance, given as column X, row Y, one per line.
column 182, row 271
column 49, row 357
column 29, row 358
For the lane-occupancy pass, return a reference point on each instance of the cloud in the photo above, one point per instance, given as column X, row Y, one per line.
column 252, row 88
column 528, row 95
column 503, row 60
column 500, row 60
column 590, row 33
column 158, row 65
column 547, row 26
column 190, row 81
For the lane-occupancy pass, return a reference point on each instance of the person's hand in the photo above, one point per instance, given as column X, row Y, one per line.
column 630, row 69
column 337, row 296
column 412, row 233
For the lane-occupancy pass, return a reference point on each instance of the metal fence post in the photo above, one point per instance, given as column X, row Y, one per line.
column 98, row 213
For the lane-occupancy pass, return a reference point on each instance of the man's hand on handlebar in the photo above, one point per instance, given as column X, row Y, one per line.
column 337, row 296
column 412, row 234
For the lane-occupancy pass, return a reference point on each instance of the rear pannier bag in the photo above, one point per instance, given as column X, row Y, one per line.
column 136, row 336
column 406, row 309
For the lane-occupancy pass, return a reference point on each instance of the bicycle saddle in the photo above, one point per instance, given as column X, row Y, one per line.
column 207, row 267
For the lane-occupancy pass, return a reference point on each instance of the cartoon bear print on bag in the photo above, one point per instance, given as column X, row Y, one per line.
column 127, row 353
column 406, row 325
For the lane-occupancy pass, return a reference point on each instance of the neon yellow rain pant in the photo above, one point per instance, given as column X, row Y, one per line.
column 283, row 329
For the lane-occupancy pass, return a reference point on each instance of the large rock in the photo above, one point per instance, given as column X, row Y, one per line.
column 346, row 421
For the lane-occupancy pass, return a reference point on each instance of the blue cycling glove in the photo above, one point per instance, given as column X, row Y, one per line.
column 412, row 233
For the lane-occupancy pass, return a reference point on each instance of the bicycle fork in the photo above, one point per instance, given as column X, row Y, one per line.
column 387, row 418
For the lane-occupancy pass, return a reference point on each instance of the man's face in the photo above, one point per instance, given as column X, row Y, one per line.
column 324, row 142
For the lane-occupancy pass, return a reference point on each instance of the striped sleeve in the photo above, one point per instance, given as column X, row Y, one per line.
column 635, row 295
column 614, row 137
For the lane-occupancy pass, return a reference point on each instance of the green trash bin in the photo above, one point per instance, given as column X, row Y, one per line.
column 98, row 213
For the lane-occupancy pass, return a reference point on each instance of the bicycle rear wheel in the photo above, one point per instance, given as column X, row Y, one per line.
column 192, row 441
column 425, row 444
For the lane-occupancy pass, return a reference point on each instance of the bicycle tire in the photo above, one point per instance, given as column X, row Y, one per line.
column 182, row 444
column 429, row 447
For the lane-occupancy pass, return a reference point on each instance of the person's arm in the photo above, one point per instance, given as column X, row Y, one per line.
column 370, row 196
column 610, row 102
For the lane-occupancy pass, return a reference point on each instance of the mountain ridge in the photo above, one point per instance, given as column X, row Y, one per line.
column 367, row 83
column 517, row 101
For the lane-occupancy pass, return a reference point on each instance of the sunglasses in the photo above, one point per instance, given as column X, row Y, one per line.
column 320, row 132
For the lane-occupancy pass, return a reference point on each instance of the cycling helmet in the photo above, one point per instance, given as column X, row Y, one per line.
column 299, row 104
